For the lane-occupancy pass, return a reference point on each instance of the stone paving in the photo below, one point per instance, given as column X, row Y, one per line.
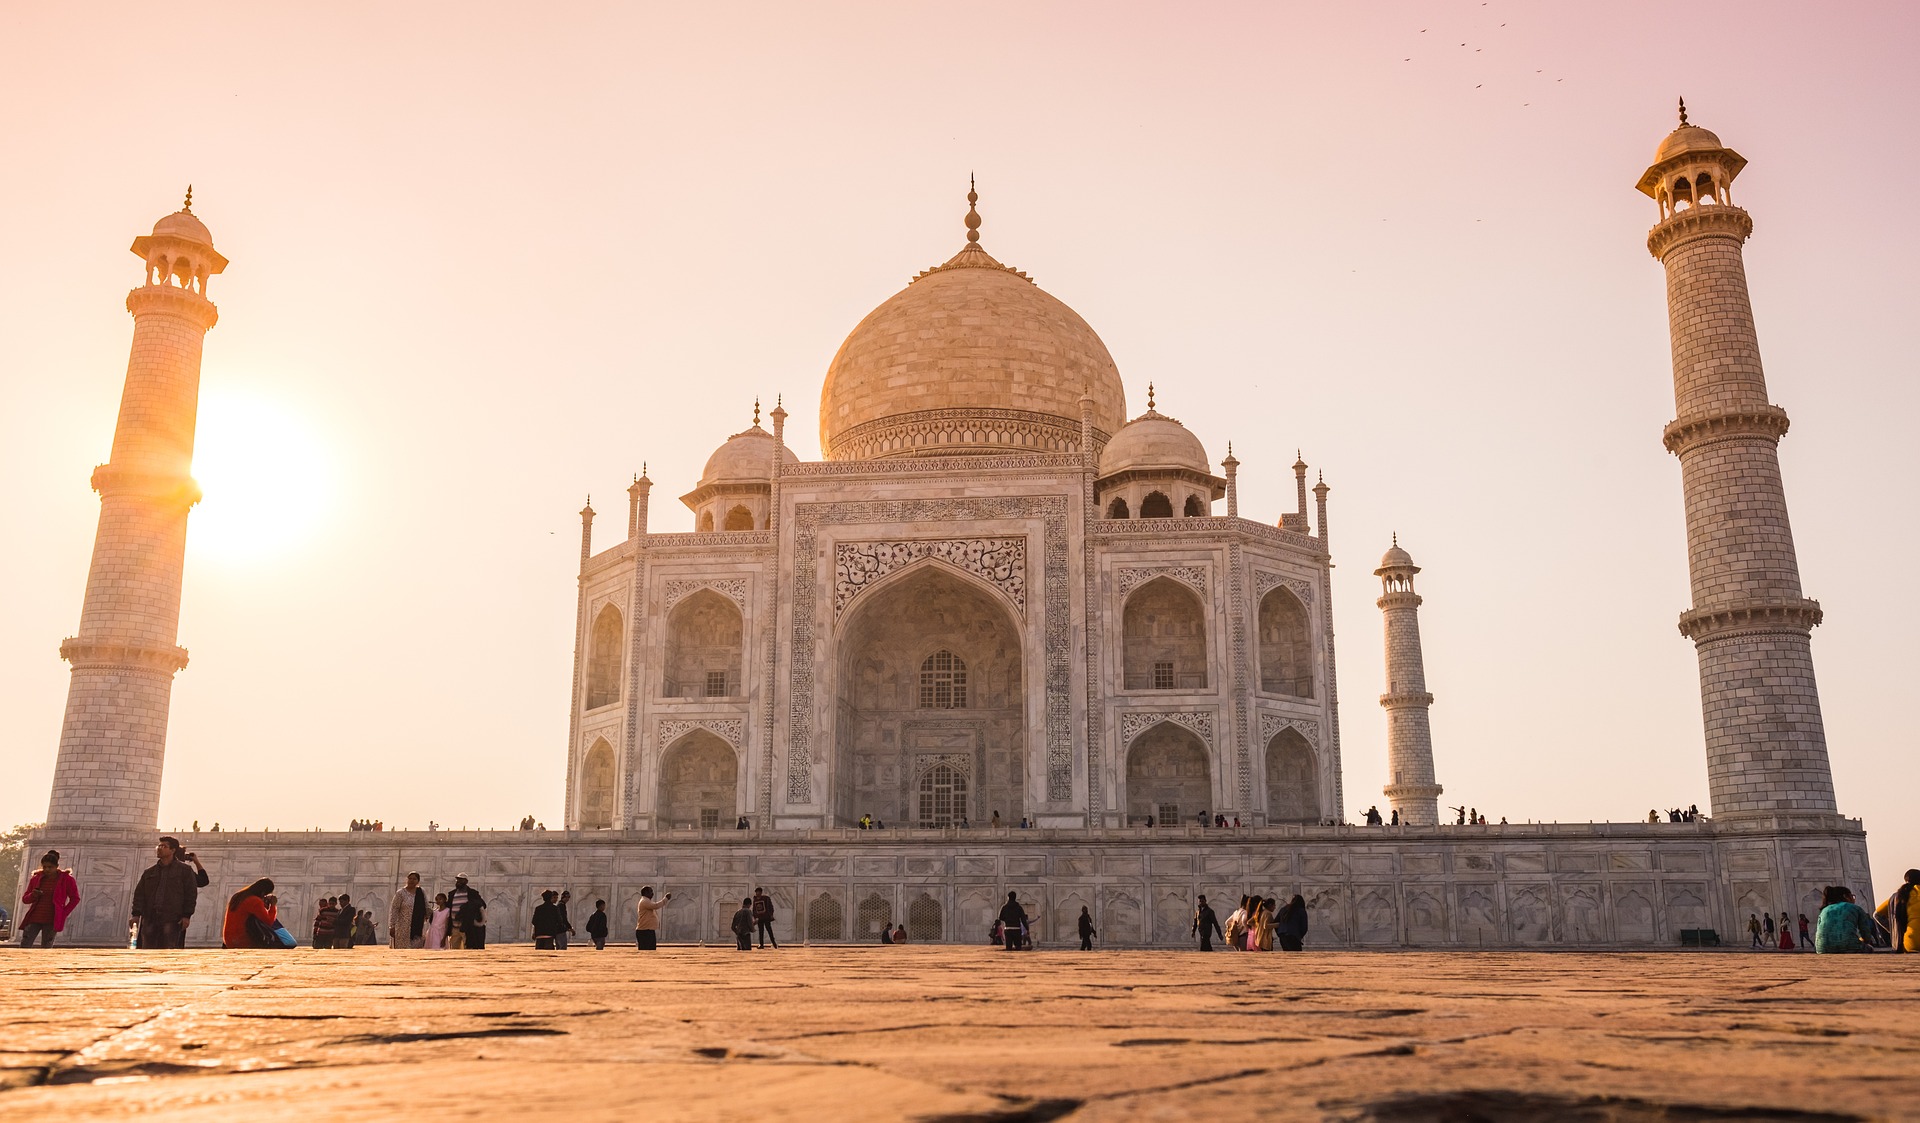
column 956, row 1033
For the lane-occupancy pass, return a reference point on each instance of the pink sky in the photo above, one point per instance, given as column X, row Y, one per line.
column 493, row 258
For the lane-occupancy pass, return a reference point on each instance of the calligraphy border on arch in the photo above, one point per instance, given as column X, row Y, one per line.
column 810, row 517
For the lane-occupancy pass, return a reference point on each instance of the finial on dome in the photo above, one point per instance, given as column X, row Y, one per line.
column 756, row 411
column 188, row 205
column 973, row 213
column 1683, row 112
column 1149, row 396
column 1396, row 539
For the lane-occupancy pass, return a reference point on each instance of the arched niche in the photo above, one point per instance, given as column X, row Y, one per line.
column 1164, row 637
column 1156, row 506
column 1293, row 779
column 1168, row 776
column 739, row 518
column 704, row 648
column 1286, row 645
column 603, row 658
column 1194, row 508
column 597, row 787
column 899, row 645
column 924, row 920
column 699, row 783
column 1118, row 508
column 704, row 524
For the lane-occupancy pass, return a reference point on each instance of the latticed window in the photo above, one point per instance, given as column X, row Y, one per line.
column 716, row 684
column 943, row 796
column 943, row 682
column 1169, row 814
column 709, row 818
column 1163, row 676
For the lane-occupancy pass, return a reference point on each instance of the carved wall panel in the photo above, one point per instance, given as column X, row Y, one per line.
column 1193, row 576
column 1001, row 562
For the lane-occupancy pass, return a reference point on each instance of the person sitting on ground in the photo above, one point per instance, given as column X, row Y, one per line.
column 250, row 921
column 1896, row 915
column 1843, row 926
column 886, row 933
column 900, row 934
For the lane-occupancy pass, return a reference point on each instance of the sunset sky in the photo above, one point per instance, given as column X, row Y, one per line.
column 488, row 258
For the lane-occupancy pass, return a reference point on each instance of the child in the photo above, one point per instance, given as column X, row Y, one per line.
column 597, row 926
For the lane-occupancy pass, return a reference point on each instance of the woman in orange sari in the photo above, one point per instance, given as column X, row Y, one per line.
column 250, row 919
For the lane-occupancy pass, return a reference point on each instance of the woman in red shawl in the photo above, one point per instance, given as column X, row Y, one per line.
column 50, row 898
column 243, row 908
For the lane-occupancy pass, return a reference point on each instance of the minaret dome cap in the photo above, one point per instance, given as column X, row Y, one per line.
column 1687, row 138
column 185, row 225
column 1396, row 558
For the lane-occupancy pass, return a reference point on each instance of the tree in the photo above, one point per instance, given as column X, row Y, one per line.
column 13, row 850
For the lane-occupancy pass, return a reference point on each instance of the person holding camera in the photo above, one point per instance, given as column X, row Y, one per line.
column 646, row 921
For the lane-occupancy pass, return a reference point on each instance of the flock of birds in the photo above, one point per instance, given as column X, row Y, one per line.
column 1482, row 50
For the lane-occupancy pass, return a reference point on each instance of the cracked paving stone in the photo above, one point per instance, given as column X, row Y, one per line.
column 956, row 1034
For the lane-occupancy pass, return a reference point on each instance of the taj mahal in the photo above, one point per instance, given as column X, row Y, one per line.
column 1012, row 634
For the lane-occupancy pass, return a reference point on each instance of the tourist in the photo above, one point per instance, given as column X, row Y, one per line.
column 1292, row 926
column 407, row 915
column 1806, row 934
column 50, row 898
column 886, row 933
column 250, row 921
column 1013, row 922
column 1842, row 926
column 597, row 926
column 547, row 922
column 566, row 922
column 1206, row 924
column 1373, row 816
column 646, row 921
column 900, row 934
column 1786, row 932
column 995, row 824
column 1236, row 926
column 438, row 923
column 346, row 928
column 1250, row 939
column 740, row 824
column 1897, row 915
column 1265, row 927
column 1766, row 926
column 1087, row 932
column 763, row 918
column 325, row 915
column 1394, row 819
column 163, row 899
column 1149, row 822
column 363, row 932
column 743, row 925
column 1753, row 926
column 469, row 916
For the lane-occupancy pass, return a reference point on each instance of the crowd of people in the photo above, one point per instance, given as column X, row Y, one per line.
column 1690, row 814
column 165, row 897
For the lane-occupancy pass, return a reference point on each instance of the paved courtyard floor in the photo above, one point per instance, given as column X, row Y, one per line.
column 956, row 1033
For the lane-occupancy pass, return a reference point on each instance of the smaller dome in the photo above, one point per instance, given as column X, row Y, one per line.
column 1396, row 558
column 183, row 224
column 1154, row 440
column 747, row 457
column 1687, row 138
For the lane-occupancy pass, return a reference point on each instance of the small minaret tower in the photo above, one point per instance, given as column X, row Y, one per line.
column 113, row 739
column 1412, row 791
column 1750, row 624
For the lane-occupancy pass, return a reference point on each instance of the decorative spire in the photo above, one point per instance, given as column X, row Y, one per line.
column 1396, row 539
column 756, row 411
column 188, row 205
column 973, row 213
column 1149, row 397
column 1683, row 112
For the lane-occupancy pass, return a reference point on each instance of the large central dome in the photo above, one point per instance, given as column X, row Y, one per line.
column 971, row 357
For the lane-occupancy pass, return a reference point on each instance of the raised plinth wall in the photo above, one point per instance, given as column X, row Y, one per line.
column 1517, row 886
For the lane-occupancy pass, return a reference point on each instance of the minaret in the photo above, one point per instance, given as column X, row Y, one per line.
column 113, row 739
column 1413, row 791
column 1766, row 745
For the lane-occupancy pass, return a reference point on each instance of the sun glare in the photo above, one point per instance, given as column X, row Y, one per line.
column 266, row 478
